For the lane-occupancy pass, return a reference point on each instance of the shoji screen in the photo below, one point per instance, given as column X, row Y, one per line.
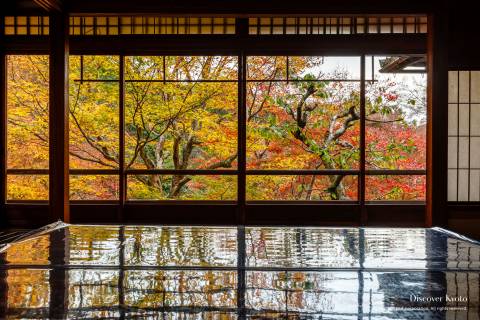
column 464, row 136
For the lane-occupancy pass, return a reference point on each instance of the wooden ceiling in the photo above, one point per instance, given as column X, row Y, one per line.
column 222, row 7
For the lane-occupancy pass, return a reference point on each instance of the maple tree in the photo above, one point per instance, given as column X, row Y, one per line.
column 181, row 113
column 27, row 125
column 309, row 123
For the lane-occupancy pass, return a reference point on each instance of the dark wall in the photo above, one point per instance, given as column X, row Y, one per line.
column 464, row 54
column 464, row 35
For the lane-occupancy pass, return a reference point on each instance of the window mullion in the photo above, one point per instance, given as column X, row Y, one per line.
column 361, row 184
column 3, row 126
column 242, row 137
column 121, row 165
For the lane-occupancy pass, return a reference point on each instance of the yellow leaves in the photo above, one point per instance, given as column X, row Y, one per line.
column 94, row 68
column 213, row 187
column 94, row 187
column 295, row 187
column 28, row 288
column 205, row 110
column 37, row 249
column 94, row 124
column 27, row 112
column 27, row 187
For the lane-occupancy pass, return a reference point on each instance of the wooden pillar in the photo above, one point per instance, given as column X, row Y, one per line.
column 59, row 180
column 3, row 124
column 242, row 31
column 3, row 166
column 437, row 113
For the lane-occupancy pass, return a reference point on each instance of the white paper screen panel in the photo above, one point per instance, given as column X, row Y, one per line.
column 464, row 136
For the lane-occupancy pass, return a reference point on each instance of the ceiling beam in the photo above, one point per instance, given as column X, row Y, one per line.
column 241, row 8
column 50, row 5
column 400, row 63
column 20, row 7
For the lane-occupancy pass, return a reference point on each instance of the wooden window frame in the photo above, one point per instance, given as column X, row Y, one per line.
column 242, row 45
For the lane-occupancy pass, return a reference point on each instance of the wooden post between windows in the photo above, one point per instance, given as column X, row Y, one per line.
column 3, row 161
column 3, row 125
column 58, row 112
column 437, row 112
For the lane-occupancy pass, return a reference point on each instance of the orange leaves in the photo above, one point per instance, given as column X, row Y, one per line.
column 307, row 122
column 393, row 146
column 395, row 188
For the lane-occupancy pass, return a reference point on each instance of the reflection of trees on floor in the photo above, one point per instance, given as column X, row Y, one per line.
column 127, row 271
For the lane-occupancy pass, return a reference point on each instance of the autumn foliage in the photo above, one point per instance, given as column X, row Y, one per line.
column 181, row 113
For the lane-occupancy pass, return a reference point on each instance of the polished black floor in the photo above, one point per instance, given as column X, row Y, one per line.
column 77, row 271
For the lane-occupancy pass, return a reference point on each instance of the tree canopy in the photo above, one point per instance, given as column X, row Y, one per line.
column 181, row 112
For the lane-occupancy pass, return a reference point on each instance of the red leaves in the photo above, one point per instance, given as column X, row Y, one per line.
column 391, row 96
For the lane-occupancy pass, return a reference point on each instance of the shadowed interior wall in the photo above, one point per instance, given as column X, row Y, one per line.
column 463, row 120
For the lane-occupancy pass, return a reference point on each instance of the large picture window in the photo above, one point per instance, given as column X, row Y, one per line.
column 179, row 116
column 169, row 127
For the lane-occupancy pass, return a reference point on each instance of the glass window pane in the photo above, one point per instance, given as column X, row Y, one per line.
column 339, row 68
column 94, row 125
column 94, row 187
column 201, row 68
column 94, row 68
column 395, row 187
column 267, row 68
column 181, row 125
column 307, row 188
column 144, row 68
column 396, row 115
column 325, row 136
column 27, row 187
column 27, row 112
column 181, row 187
